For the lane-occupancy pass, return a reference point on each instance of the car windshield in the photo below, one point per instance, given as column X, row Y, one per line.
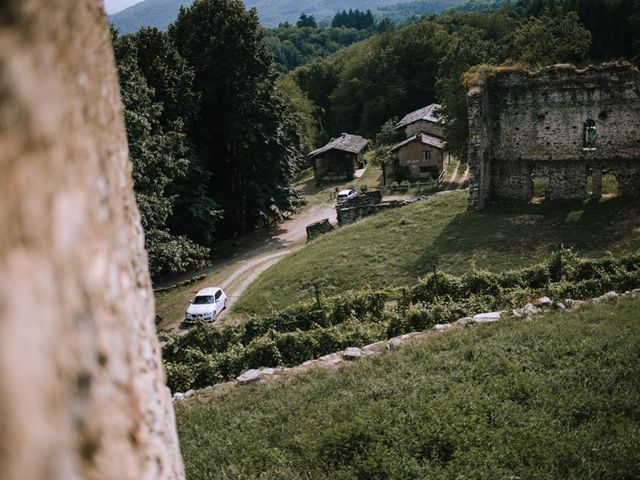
column 342, row 195
column 203, row 299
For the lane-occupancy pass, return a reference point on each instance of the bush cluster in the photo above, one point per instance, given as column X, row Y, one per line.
column 208, row 355
column 561, row 276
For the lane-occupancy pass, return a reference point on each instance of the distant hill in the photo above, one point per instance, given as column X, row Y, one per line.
column 148, row 13
column 160, row 13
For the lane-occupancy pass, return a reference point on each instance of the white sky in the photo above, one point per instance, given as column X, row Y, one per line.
column 113, row 6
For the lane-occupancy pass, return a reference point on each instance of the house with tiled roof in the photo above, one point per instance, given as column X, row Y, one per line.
column 339, row 158
column 422, row 154
column 425, row 120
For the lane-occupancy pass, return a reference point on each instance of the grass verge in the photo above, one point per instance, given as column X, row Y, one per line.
column 551, row 398
column 397, row 247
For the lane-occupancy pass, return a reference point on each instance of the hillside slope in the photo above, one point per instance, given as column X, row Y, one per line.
column 555, row 397
column 397, row 247
column 160, row 13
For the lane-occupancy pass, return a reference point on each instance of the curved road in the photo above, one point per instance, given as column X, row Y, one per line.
column 256, row 254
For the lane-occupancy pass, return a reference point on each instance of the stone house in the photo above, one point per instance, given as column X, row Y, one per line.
column 563, row 126
column 339, row 158
column 425, row 120
column 420, row 156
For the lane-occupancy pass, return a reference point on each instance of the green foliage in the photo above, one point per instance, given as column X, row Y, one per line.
column 155, row 83
column 393, row 73
column 290, row 337
column 306, row 21
column 552, row 398
column 554, row 37
column 357, row 19
column 389, row 135
column 245, row 128
column 614, row 25
column 303, row 332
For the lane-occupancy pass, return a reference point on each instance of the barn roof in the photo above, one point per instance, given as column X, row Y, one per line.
column 421, row 137
column 428, row 113
column 345, row 142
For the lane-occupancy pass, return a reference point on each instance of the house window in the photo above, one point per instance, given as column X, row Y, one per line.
column 590, row 135
column 427, row 155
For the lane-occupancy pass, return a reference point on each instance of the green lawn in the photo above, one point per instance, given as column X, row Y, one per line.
column 397, row 247
column 548, row 399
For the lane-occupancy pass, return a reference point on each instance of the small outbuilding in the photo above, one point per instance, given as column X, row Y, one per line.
column 425, row 120
column 339, row 158
column 420, row 156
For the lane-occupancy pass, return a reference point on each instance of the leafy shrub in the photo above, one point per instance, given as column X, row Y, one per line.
column 180, row 376
column 208, row 354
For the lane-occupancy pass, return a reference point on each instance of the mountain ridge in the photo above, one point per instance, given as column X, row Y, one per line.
column 160, row 13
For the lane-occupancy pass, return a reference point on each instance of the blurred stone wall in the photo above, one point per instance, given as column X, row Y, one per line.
column 82, row 392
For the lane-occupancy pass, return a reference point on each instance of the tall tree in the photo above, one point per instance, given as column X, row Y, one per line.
column 249, row 144
column 158, row 152
column 554, row 37
column 306, row 21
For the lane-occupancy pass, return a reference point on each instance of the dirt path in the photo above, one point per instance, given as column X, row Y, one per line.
column 237, row 282
column 242, row 264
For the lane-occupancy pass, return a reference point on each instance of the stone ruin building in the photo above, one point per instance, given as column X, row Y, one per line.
column 82, row 391
column 561, row 124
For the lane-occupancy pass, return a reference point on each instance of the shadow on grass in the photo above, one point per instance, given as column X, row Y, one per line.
column 527, row 233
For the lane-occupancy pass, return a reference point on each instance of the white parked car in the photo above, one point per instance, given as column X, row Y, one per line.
column 206, row 305
column 345, row 195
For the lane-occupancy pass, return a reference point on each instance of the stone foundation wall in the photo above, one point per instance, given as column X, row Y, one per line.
column 363, row 198
column 318, row 228
column 82, row 391
column 347, row 216
column 527, row 125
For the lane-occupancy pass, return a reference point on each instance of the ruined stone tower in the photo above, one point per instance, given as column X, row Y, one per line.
column 82, row 393
column 561, row 124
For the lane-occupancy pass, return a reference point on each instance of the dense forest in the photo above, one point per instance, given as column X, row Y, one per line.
column 392, row 73
column 213, row 142
column 216, row 133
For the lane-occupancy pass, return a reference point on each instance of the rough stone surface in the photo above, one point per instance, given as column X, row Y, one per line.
column 544, row 302
column 352, row 353
column 364, row 205
column 531, row 309
column 82, row 392
column 607, row 297
column 249, row 376
column 318, row 228
column 525, row 125
column 464, row 321
column 370, row 197
column 487, row 317
column 442, row 326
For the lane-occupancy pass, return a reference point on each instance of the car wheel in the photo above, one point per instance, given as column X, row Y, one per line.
column 225, row 304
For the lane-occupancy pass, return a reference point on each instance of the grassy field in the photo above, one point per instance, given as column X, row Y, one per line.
column 395, row 248
column 553, row 398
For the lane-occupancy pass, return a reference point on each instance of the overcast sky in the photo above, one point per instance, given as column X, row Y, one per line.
column 113, row 6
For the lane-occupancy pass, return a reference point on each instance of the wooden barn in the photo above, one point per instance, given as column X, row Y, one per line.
column 338, row 159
